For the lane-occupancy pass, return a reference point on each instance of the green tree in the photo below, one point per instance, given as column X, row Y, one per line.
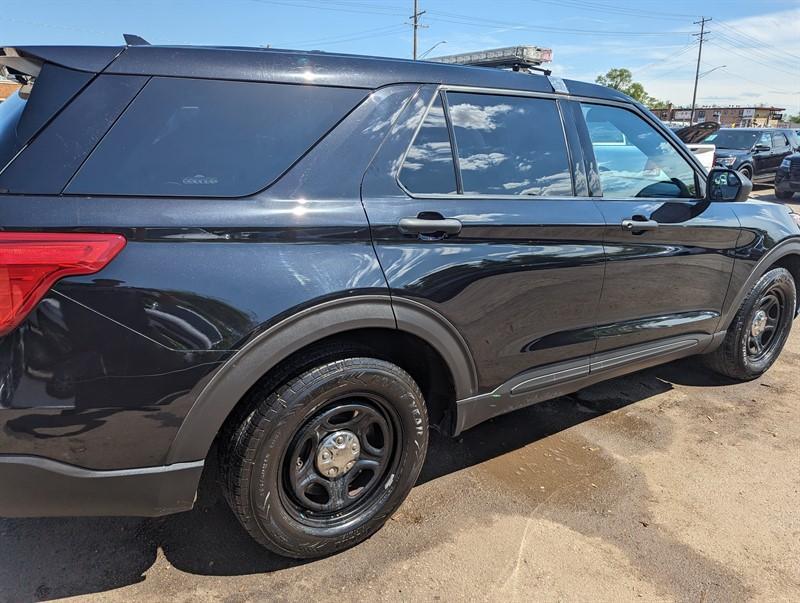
column 622, row 79
column 794, row 119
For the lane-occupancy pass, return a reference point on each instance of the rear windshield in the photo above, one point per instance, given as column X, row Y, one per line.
column 191, row 137
column 10, row 112
column 733, row 139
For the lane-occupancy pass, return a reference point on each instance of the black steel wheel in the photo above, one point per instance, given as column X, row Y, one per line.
column 760, row 328
column 337, row 459
column 324, row 452
column 766, row 322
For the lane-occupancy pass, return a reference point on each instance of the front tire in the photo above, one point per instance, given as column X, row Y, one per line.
column 759, row 330
column 747, row 172
column 321, row 461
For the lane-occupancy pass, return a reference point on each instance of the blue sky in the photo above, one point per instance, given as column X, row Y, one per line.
column 758, row 41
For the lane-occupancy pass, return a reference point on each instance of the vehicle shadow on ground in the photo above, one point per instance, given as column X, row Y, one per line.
column 54, row 558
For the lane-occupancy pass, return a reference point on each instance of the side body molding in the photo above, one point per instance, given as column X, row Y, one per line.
column 232, row 381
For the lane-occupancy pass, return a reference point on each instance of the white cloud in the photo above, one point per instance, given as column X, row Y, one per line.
column 481, row 161
column 473, row 117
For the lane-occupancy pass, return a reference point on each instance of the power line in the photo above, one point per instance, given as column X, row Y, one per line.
column 729, row 47
column 773, row 60
column 664, row 60
column 481, row 22
column 757, row 42
column 619, row 10
column 376, row 31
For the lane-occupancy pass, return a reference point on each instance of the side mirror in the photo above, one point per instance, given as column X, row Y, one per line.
column 727, row 185
column 762, row 148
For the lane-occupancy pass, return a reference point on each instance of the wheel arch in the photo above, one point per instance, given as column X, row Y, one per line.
column 785, row 255
column 221, row 393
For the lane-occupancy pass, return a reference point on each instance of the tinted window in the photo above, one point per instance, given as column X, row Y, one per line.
column 733, row 139
column 639, row 161
column 428, row 167
column 210, row 138
column 509, row 145
column 10, row 111
column 765, row 139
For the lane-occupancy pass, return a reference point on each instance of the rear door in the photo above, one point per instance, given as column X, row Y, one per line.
column 670, row 254
column 487, row 231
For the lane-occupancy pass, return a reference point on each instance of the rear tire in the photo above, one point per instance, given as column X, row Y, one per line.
column 759, row 330
column 280, row 463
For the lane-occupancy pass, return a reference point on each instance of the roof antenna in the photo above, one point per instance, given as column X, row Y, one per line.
column 132, row 40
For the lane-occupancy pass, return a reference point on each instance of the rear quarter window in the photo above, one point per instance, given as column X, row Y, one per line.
column 199, row 138
column 10, row 112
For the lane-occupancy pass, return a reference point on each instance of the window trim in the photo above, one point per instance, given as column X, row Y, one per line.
column 453, row 143
column 699, row 173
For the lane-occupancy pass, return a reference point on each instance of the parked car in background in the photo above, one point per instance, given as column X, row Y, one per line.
column 787, row 178
column 693, row 136
column 302, row 262
column 754, row 152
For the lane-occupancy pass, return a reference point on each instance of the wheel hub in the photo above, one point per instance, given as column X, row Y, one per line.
column 759, row 323
column 338, row 453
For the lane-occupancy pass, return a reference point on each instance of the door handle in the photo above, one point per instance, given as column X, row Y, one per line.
column 428, row 226
column 638, row 225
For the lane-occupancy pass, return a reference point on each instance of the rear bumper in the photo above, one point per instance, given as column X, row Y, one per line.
column 37, row 487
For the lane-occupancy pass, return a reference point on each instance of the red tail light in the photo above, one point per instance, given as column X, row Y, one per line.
column 30, row 262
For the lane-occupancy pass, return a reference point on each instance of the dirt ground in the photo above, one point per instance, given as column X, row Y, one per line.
column 669, row 484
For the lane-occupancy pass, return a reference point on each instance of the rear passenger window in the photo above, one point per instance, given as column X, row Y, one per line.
column 509, row 145
column 428, row 167
column 191, row 137
column 779, row 140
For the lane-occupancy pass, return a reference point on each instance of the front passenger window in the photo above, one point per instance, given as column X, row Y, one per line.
column 633, row 158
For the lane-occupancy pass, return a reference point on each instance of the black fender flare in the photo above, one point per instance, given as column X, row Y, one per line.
column 220, row 393
column 784, row 248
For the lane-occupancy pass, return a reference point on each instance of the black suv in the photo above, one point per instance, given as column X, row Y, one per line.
column 754, row 152
column 787, row 178
column 309, row 260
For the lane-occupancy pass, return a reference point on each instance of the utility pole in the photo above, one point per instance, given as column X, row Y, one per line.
column 415, row 24
column 701, row 35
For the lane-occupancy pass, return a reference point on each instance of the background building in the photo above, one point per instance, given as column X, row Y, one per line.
column 728, row 116
column 6, row 89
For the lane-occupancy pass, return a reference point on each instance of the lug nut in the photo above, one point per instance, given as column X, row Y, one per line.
column 326, row 456
column 350, row 465
column 332, row 471
column 340, row 440
column 355, row 447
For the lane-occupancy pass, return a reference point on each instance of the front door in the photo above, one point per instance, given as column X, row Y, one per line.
column 763, row 157
column 487, row 232
column 670, row 254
